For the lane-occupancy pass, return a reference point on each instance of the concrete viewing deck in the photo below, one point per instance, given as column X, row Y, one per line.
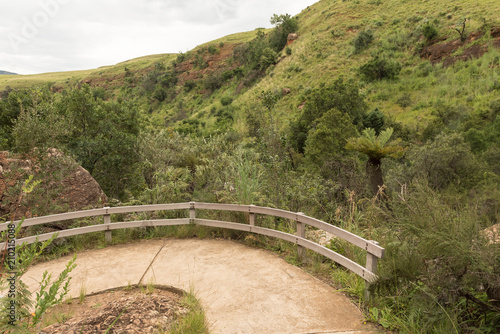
column 242, row 289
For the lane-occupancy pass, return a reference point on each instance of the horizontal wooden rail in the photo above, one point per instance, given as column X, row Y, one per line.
column 368, row 273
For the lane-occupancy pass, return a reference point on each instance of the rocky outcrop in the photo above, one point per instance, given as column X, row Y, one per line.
column 61, row 185
column 444, row 52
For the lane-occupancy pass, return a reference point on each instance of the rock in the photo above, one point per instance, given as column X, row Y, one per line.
column 80, row 190
column 63, row 185
column 291, row 38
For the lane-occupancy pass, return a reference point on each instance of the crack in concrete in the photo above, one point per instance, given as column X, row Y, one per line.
column 151, row 263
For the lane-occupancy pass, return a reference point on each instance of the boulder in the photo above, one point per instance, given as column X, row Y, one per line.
column 291, row 38
column 61, row 185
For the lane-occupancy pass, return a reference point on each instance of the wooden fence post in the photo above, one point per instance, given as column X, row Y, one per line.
column 301, row 232
column 251, row 216
column 192, row 212
column 107, row 220
column 371, row 265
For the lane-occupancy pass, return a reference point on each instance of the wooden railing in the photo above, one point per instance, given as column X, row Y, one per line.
column 368, row 272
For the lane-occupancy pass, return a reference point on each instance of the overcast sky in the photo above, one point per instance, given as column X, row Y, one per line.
column 38, row 36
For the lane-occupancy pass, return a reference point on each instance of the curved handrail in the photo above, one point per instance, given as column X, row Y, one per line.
column 374, row 251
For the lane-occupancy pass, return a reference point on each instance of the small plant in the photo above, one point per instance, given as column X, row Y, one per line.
column 150, row 287
column 212, row 49
column 194, row 321
column 83, row 293
column 288, row 51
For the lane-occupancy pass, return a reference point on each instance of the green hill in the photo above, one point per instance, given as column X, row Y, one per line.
column 380, row 116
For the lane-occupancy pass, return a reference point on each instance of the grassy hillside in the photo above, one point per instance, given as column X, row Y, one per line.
column 69, row 79
column 325, row 51
column 381, row 117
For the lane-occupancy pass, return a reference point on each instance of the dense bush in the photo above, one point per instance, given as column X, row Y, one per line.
column 429, row 31
column 440, row 274
column 362, row 40
column 380, row 68
column 328, row 139
column 448, row 160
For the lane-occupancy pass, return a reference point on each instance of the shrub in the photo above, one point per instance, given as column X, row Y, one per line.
column 267, row 58
column 404, row 100
column 445, row 161
column 380, row 68
column 429, row 32
column 362, row 41
column 439, row 273
column 189, row 85
column 329, row 137
column 213, row 50
column 226, row 100
column 495, row 106
column 159, row 93
column 213, row 81
column 342, row 96
column 476, row 139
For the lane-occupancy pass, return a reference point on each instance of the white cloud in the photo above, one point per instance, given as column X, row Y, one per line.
column 55, row 35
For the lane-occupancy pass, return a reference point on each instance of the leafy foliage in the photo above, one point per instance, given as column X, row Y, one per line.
column 285, row 24
column 342, row 96
column 376, row 146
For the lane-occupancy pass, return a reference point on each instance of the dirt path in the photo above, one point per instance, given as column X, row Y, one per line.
column 242, row 289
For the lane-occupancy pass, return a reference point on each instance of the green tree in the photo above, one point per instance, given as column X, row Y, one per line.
column 285, row 24
column 12, row 106
column 102, row 137
column 329, row 138
column 374, row 120
column 340, row 95
column 376, row 148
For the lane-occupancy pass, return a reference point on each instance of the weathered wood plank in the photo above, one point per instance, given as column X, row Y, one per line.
column 274, row 212
column 221, row 207
column 58, row 217
column 348, row 236
column 102, row 227
column 342, row 260
column 147, row 208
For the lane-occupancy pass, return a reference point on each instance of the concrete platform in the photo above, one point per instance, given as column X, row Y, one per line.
column 242, row 289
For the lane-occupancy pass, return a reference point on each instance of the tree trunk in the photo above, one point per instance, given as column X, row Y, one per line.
column 374, row 172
